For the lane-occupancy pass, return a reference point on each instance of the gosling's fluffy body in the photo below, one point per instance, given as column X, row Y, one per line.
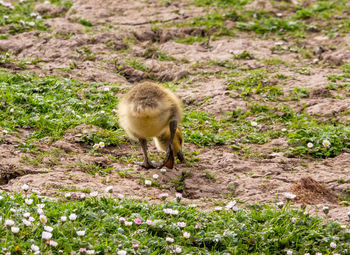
column 147, row 110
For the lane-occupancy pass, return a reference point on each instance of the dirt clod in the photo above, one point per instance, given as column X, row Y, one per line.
column 309, row 191
column 49, row 9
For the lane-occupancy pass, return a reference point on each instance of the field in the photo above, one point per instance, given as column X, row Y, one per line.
column 265, row 87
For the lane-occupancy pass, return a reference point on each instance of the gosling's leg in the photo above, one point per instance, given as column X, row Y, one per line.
column 146, row 163
column 169, row 156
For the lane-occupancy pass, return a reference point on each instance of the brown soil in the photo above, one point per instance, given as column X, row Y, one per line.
column 309, row 191
column 217, row 173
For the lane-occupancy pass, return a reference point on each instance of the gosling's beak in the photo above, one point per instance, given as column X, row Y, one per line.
column 180, row 156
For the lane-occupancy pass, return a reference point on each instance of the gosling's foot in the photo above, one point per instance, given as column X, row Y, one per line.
column 168, row 162
column 147, row 164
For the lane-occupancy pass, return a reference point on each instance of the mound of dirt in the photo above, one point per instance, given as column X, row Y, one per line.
column 49, row 9
column 309, row 191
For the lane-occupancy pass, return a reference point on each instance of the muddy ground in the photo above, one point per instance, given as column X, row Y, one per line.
column 217, row 175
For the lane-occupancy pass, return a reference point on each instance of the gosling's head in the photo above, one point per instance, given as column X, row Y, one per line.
column 178, row 143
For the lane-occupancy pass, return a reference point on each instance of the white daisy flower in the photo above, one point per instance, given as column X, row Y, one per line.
column 52, row 243
column 178, row 249
column 73, row 217
column 46, row 235
column 174, row 212
column 178, row 197
column 27, row 222
column 34, row 248
column 93, row 194
column 48, row 229
column 163, row 196
column 280, row 204
column 81, row 233
column 28, row 201
column 128, row 223
column 326, row 143
column 253, row 123
column 169, row 239
column 289, row 195
column 109, row 189
column 14, row 230
column 9, row 223
column 181, row 224
column 186, row 235
column 230, row 205
column 41, row 206
column 25, row 187
column 43, row 219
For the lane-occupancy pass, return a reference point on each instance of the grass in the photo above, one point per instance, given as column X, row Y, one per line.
column 338, row 137
column 236, row 128
column 52, row 105
column 85, row 22
column 19, row 17
column 153, row 52
column 136, row 64
column 140, row 228
column 295, row 20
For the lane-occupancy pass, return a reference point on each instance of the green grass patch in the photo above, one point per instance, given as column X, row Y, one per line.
column 85, row 22
column 52, row 105
column 111, row 226
column 191, row 39
column 154, row 53
column 202, row 129
column 136, row 64
column 19, row 16
column 244, row 55
column 323, row 140
column 259, row 125
column 315, row 17
column 255, row 82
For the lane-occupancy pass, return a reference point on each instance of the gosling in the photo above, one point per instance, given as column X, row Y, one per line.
column 151, row 111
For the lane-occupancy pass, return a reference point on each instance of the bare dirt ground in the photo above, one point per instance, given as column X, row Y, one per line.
column 218, row 174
